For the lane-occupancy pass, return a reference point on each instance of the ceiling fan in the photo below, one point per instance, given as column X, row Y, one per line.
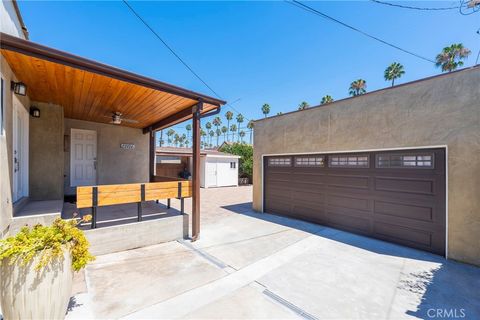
column 117, row 118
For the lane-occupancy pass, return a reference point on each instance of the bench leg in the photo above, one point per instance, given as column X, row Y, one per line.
column 94, row 218
column 168, row 203
column 182, row 206
column 139, row 211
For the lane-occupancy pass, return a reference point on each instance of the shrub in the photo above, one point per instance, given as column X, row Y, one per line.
column 48, row 242
column 245, row 151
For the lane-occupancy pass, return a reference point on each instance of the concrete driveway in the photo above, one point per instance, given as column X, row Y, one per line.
column 259, row 266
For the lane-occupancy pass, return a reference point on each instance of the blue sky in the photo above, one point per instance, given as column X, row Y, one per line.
column 258, row 52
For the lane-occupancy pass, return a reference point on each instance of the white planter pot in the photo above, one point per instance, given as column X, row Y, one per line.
column 28, row 294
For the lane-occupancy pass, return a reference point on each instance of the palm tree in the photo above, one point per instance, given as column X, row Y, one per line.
column 303, row 105
column 224, row 131
column 211, row 133
column 203, row 134
column 326, row 99
column 357, row 87
column 208, row 125
column 250, row 126
column 228, row 116
column 219, row 133
column 239, row 120
column 176, row 139
column 189, row 128
column 279, row 113
column 451, row 57
column 233, row 129
column 170, row 133
column 242, row 134
column 217, row 121
column 393, row 71
column 266, row 109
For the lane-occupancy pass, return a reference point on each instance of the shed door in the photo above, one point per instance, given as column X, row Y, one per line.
column 397, row 196
column 210, row 172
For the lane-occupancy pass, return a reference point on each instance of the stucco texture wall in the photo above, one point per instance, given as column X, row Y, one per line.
column 46, row 153
column 6, row 140
column 114, row 164
column 443, row 110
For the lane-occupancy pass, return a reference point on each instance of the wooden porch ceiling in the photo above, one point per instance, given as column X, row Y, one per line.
column 91, row 91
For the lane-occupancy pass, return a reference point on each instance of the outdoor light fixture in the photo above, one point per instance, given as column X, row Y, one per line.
column 19, row 88
column 35, row 112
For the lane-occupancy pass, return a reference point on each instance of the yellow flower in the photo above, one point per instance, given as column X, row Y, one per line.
column 87, row 218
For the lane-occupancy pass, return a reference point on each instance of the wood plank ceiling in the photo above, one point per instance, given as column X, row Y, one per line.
column 91, row 96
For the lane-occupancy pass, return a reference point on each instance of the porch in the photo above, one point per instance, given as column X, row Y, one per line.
column 93, row 125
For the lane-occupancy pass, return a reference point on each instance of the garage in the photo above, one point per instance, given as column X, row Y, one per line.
column 393, row 195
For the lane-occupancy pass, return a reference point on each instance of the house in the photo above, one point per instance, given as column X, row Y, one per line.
column 68, row 122
column 217, row 169
column 399, row 164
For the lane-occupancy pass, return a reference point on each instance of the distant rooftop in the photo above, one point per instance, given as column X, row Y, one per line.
column 188, row 151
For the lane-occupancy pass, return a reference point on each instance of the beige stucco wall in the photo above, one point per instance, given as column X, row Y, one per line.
column 443, row 110
column 46, row 153
column 114, row 164
column 6, row 147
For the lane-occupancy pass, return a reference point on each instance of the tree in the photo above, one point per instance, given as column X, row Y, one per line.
column 279, row 113
column 451, row 57
column 303, row 105
column 233, row 129
column 170, row 133
column 266, row 109
column 393, row 71
column 239, row 121
column 326, row 99
column 241, row 134
column 203, row 134
column 219, row 133
column 208, row 125
column 358, row 87
column 228, row 116
column 189, row 128
column 250, row 126
column 217, row 121
column 176, row 139
column 245, row 151
column 212, row 134
column 224, row 131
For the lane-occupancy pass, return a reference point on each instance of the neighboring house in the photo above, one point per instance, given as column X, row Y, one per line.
column 64, row 132
column 400, row 164
column 217, row 169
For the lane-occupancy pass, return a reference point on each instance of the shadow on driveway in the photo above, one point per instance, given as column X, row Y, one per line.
column 448, row 289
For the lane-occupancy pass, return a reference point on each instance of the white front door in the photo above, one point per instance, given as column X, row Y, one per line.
column 83, row 157
column 20, row 150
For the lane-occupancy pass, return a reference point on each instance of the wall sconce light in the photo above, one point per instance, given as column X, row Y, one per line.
column 35, row 112
column 19, row 88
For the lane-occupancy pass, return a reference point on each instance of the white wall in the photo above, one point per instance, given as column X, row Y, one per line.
column 10, row 23
column 225, row 176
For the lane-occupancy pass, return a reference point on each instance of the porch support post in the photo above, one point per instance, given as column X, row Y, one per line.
column 196, row 170
column 152, row 154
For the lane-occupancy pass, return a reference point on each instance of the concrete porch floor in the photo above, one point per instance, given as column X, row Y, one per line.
column 123, row 213
column 248, row 265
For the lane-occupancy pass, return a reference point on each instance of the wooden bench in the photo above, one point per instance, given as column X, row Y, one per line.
column 106, row 195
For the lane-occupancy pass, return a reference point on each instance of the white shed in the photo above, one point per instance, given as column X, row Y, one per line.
column 217, row 169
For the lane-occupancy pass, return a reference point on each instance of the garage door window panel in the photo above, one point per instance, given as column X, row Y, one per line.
column 417, row 161
column 279, row 162
column 310, row 161
column 349, row 161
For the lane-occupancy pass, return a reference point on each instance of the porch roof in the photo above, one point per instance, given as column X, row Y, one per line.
column 92, row 91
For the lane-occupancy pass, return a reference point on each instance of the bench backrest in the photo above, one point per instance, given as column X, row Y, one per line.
column 130, row 193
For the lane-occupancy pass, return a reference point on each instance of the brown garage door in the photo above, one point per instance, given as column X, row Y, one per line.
column 397, row 196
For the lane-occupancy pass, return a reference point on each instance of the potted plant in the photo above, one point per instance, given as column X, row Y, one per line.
column 36, row 269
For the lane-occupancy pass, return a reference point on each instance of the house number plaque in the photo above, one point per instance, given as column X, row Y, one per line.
column 128, row 146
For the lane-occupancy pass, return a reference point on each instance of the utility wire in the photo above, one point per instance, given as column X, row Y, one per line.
column 176, row 55
column 415, row 8
column 325, row 16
